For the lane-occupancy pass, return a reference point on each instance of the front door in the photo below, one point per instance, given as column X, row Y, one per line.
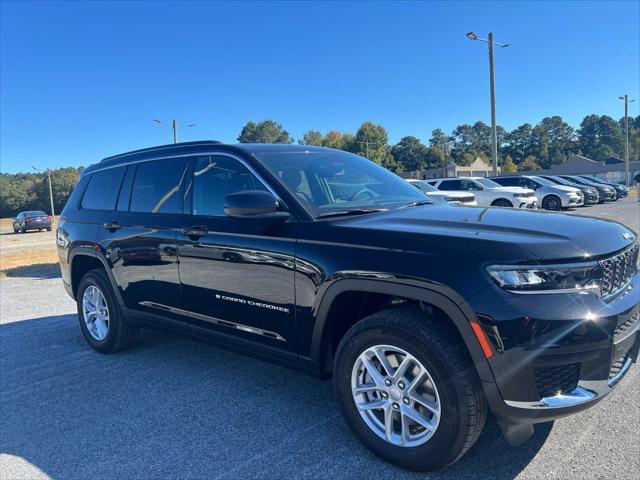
column 237, row 275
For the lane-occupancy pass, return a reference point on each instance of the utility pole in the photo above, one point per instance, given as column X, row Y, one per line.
column 174, row 125
column 626, row 138
column 494, row 131
column 50, row 189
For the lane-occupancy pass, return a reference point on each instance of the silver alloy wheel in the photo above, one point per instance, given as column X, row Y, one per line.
column 95, row 312
column 395, row 396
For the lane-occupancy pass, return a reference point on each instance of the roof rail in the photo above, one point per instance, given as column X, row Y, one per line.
column 161, row 147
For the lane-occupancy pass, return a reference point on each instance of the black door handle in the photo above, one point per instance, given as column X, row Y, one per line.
column 112, row 225
column 197, row 231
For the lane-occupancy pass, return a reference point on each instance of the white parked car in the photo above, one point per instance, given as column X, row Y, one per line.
column 453, row 198
column 487, row 192
column 551, row 196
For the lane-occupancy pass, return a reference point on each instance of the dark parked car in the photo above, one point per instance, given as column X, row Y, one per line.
column 427, row 317
column 591, row 195
column 605, row 192
column 621, row 190
column 32, row 220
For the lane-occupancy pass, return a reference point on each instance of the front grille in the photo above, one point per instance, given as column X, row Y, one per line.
column 466, row 199
column 617, row 366
column 552, row 380
column 618, row 270
column 625, row 327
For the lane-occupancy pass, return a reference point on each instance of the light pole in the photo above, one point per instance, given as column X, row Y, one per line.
column 626, row 137
column 50, row 189
column 494, row 131
column 175, row 125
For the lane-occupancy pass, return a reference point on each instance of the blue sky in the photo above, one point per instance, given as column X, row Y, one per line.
column 80, row 81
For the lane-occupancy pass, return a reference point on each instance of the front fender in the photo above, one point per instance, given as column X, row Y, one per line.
column 437, row 295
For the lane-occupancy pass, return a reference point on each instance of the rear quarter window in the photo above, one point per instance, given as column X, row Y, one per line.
column 102, row 190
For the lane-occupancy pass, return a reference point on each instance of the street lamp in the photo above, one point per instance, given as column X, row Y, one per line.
column 494, row 132
column 626, row 136
column 50, row 189
column 175, row 125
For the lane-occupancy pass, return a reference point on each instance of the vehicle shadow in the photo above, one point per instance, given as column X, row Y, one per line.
column 40, row 270
column 169, row 407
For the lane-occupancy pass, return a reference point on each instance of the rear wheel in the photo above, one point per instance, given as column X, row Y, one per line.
column 406, row 390
column 501, row 202
column 552, row 202
column 48, row 229
column 23, row 230
column 101, row 320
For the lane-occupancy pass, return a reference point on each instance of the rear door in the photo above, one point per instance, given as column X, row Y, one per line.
column 139, row 238
column 237, row 274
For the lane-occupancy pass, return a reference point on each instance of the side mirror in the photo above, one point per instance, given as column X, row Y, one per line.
column 253, row 204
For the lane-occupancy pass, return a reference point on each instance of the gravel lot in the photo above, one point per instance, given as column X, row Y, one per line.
column 172, row 408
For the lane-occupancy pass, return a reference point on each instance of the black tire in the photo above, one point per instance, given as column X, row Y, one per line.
column 23, row 230
column 48, row 229
column 463, row 405
column 502, row 202
column 552, row 202
column 15, row 230
column 120, row 333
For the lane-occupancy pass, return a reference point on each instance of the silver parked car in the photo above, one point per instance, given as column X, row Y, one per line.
column 551, row 196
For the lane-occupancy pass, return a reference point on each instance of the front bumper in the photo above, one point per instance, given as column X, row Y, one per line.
column 572, row 201
column 591, row 198
column 559, row 354
column 526, row 202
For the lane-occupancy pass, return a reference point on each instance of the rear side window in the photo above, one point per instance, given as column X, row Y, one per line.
column 507, row 182
column 156, row 186
column 103, row 188
column 450, row 185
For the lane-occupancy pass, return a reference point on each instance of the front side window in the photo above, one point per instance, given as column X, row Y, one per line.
column 156, row 186
column 216, row 176
column 102, row 190
column 469, row 185
column 329, row 181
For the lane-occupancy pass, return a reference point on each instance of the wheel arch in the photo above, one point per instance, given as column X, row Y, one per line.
column 444, row 299
column 86, row 259
column 502, row 199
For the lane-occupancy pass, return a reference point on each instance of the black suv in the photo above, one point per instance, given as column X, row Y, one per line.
column 427, row 316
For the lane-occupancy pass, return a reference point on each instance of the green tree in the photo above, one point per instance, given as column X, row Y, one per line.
column 410, row 154
column 552, row 141
column 62, row 182
column 528, row 163
column 600, row 137
column 518, row 143
column 311, row 137
column 371, row 142
column 508, row 166
column 267, row 131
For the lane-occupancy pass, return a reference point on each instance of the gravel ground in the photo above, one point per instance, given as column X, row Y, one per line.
column 172, row 408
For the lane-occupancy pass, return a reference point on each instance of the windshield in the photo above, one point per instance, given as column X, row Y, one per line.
column 561, row 181
column 543, row 181
column 329, row 181
column 488, row 183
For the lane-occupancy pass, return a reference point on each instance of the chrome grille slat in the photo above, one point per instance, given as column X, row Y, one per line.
column 618, row 270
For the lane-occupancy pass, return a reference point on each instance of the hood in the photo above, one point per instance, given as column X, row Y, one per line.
column 451, row 193
column 513, row 189
column 502, row 232
column 565, row 188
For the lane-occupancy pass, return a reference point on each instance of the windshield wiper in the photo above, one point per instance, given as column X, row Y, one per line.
column 355, row 211
column 417, row 204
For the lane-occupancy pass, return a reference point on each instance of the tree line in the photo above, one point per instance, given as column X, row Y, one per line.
column 527, row 147
column 30, row 191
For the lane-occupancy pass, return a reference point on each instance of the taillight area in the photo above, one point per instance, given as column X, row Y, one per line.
column 27, row 219
column 49, row 217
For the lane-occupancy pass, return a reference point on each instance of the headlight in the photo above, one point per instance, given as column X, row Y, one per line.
column 593, row 191
column 572, row 278
column 520, row 195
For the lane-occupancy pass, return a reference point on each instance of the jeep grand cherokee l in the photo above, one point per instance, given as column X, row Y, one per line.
column 427, row 317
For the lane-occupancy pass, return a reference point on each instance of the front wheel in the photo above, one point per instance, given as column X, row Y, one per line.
column 552, row 202
column 501, row 202
column 406, row 390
